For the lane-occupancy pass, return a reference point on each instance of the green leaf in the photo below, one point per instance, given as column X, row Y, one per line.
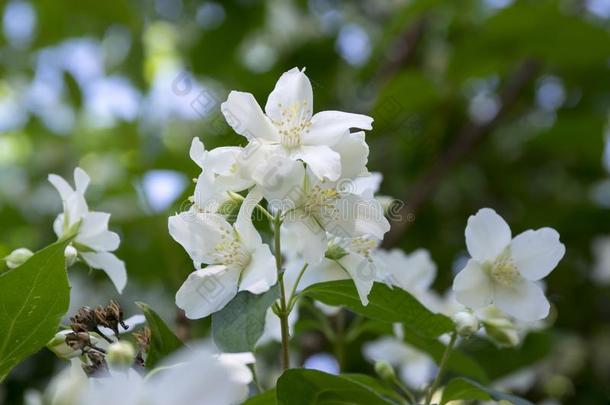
column 35, row 296
column 266, row 398
column 162, row 340
column 459, row 362
column 309, row 387
column 385, row 304
column 238, row 326
column 375, row 385
column 466, row 389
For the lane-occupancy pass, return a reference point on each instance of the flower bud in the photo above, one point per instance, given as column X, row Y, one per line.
column 466, row 323
column 120, row 354
column 502, row 332
column 71, row 254
column 335, row 252
column 17, row 257
column 385, row 370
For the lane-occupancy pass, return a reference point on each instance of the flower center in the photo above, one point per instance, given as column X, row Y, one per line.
column 362, row 246
column 321, row 203
column 295, row 119
column 230, row 252
column 505, row 272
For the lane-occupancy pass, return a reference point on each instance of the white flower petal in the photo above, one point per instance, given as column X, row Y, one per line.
column 327, row 127
column 324, row 162
column 81, row 180
column 414, row 273
column 110, row 264
column 472, row 286
column 198, row 153
column 261, row 273
column 292, row 90
column 198, row 233
column 537, row 253
column 313, row 237
column 357, row 216
column 248, row 234
column 94, row 233
column 354, row 154
column 245, row 116
column 366, row 186
column 63, row 188
column 362, row 272
column 207, row 290
column 222, row 160
column 524, row 301
column 487, row 235
column 327, row 270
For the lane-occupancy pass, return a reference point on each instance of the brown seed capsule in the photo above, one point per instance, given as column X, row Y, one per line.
column 85, row 319
column 97, row 364
column 78, row 341
column 143, row 339
column 114, row 313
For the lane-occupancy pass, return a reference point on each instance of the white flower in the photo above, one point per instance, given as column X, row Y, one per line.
column 220, row 174
column 416, row 368
column 413, row 272
column 313, row 208
column 93, row 240
column 237, row 258
column 196, row 376
column 504, row 271
column 288, row 129
column 346, row 258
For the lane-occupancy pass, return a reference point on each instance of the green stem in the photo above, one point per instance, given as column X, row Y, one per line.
column 293, row 298
column 405, row 391
column 283, row 312
column 260, row 207
column 442, row 367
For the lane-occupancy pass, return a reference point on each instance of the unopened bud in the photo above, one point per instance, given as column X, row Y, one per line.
column 121, row 354
column 335, row 252
column 17, row 257
column 502, row 332
column 385, row 370
column 71, row 254
column 466, row 323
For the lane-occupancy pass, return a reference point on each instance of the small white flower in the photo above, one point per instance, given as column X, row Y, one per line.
column 346, row 258
column 195, row 375
column 288, row 128
column 416, row 368
column 312, row 209
column 504, row 271
column 237, row 258
column 413, row 272
column 220, row 174
column 93, row 240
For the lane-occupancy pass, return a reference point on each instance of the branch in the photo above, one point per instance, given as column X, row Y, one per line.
column 468, row 137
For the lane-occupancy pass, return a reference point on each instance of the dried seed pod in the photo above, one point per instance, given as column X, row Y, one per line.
column 97, row 364
column 143, row 339
column 84, row 320
column 78, row 341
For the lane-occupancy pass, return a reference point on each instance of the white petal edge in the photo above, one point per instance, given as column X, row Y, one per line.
column 487, row 235
column 537, row 253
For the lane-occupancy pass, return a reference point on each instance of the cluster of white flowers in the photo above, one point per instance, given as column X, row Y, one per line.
column 311, row 171
column 194, row 375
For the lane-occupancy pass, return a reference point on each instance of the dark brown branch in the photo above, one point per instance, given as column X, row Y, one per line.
column 403, row 51
column 464, row 142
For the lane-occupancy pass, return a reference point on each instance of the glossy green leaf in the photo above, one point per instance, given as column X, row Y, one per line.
column 238, row 326
column 162, row 340
column 385, row 304
column 266, row 398
column 466, row 389
column 309, row 387
column 35, row 296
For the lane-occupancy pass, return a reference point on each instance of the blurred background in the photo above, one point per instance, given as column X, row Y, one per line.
column 477, row 103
